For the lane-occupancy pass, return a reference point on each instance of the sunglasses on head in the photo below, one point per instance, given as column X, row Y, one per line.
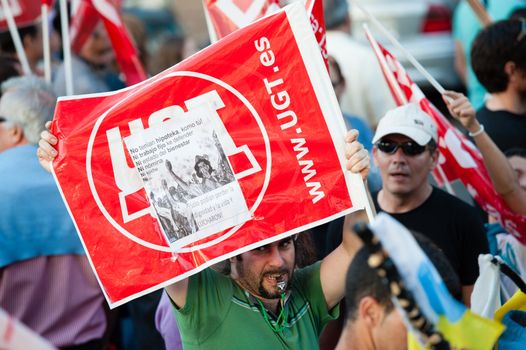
column 410, row 148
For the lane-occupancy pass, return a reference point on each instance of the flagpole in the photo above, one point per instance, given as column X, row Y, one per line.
column 400, row 95
column 209, row 25
column 447, row 185
column 45, row 42
column 410, row 57
column 66, row 47
column 16, row 38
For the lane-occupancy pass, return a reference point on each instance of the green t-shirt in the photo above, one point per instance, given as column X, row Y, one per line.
column 219, row 314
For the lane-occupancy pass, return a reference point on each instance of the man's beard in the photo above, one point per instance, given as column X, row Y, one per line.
column 254, row 283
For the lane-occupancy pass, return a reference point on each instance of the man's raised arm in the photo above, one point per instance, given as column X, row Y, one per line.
column 334, row 266
column 47, row 153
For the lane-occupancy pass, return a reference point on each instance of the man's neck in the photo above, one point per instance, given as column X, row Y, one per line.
column 269, row 304
column 352, row 339
column 509, row 100
column 398, row 204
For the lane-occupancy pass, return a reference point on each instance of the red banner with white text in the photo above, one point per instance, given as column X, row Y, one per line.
column 459, row 158
column 272, row 106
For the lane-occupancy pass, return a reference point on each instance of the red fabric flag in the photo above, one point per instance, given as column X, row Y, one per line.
column 125, row 50
column 317, row 19
column 459, row 158
column 270, row 101
column 83, row 21
column 25, row 12
column 86, row 18
column 226, row 16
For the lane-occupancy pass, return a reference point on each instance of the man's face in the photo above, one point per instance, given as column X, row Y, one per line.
column 391, row 333
column 97, row 49
column 204, row 168
column 519, row 166
column 403, row 174
column 260, row 270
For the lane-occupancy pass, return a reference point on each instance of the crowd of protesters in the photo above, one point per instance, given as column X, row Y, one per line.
column 314, row 290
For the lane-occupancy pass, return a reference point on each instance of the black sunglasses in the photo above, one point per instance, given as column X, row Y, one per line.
column 2, row 119
column 410, row 148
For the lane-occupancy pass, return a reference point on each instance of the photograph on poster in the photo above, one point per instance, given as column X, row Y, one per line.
column 189, row 181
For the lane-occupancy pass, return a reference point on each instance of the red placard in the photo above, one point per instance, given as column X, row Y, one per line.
column 269, row 89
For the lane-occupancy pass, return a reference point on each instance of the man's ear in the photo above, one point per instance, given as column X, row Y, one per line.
column 370, row 312
column 510, row 68
column 15, row 135
column 375, row 154
column 434, row 159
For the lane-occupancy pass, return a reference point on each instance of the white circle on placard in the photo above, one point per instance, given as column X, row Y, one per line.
column 227, row 234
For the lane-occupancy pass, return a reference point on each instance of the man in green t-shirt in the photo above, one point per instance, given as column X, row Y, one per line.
column 265, row 302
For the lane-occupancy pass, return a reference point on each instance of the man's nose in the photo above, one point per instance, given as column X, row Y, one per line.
column 275, row 257
column 399, row 155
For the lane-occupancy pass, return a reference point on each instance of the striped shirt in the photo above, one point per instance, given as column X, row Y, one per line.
column 56, row 296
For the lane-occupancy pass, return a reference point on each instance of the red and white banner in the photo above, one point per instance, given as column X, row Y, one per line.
column 459, row 158
column 25, row 12
column 282, row 132
column 84, row 21
column 226, row 16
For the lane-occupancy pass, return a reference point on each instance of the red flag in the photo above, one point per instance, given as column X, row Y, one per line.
column 86, row 18
column 48, row 3
column 459, row 158
column 25, row 12
column 269, row 99
column 83, row 22
column 226, row 16
column 230, row 15
column 317, row 19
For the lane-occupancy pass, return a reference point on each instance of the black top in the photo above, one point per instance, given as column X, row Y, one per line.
column 454, row 226
column 507, row 130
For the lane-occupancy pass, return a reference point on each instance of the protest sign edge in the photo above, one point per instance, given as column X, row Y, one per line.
column 317, row 72
column 229, row 255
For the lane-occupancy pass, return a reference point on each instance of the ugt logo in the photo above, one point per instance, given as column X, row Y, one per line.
column 159, row 102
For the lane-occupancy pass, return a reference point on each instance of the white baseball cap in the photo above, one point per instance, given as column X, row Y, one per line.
column 408, row 120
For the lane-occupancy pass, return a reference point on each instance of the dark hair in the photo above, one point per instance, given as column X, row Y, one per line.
column 198, row 171
column 493, row 48
column 515, row 152
column 6, row 43
column 518, row 13
column 336, row 68
column 304, row 252
column 362, row 280
column 8, row 69
column 432, row 146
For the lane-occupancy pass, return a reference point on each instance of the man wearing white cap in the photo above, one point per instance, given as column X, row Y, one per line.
column 405, row 151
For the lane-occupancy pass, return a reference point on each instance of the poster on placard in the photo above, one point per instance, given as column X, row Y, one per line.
column 269, row 127
column 188, row 179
